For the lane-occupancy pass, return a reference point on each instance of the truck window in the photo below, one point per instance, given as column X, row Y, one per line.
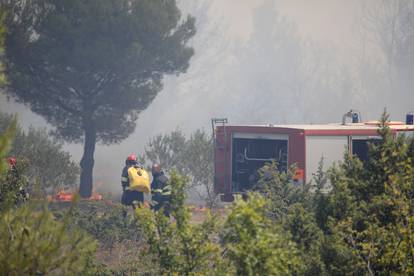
column 249, row 155
column 360, row 147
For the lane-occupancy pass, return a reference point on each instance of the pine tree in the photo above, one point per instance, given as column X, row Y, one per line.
column 90, row 67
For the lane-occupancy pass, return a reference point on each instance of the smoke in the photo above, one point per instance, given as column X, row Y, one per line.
column 266, row 61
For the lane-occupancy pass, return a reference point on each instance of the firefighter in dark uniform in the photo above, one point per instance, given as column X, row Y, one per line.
column 14, row 182
column 130, row 198
column 160, row 190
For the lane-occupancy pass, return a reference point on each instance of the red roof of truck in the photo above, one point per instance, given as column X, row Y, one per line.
column 365, row 128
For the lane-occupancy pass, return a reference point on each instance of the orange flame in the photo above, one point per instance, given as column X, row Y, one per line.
column 64, row 196
column 69, row 196
column 96, row 196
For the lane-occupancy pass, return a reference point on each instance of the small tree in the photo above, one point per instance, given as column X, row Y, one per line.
column 254, row 244
column 370, row 209
column 9, row 184
column 300, row 222
column 191, row 156
column 180, row 247
column 361, row 224
column 291, row 206
column 279, row 189
column 105, row 222
column 168, row 150
column 31, row 240
column 199, row 163
column 42, row 157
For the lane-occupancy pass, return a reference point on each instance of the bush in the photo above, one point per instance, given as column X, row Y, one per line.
column 11, row 183
column 43, row 157
column 363, row 223
column 247, row 243
column 192, row 157
column 32, row 242
column 106, row 222
column 370, row 210
column 180, row 247
column 255, row 244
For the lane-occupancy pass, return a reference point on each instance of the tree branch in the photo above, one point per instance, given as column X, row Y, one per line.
column 42, row 77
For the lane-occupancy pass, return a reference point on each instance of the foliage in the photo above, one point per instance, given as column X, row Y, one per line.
column 250, row 242
column 120, row 246
column 191, row 156
column 309, row 239
column 13, row 187
column 9, row 183
column 32, row 242
column 90, row 67
column 6, row 139
column 291, row 206
column 166, row 150
column 320, row 199
column 106, row 222
column 361, row 222
column 117, row 235
column 199, row 156
column 371, row 206
column 254, row 244
column 2, row 35
column 41, row 157
column 180, row 246
column 280, row 189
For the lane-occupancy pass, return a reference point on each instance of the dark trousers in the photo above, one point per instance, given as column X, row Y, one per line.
column 162, row 202
column 128, row 197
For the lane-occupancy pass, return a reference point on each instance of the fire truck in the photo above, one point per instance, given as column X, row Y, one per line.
column 240, row 150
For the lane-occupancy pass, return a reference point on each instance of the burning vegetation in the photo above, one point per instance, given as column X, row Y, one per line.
column 63, row 196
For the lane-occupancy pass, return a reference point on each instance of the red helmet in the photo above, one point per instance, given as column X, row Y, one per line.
column 132, row 157
column 12, row 161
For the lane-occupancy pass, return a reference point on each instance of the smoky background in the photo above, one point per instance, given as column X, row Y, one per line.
column 268, row 61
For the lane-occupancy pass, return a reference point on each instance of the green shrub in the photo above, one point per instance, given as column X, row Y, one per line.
column 32, row 242
column 180, row 247
column 255, row 244
column 106, row 222
column 371, row 209
column 41, row 156
column 362, row 223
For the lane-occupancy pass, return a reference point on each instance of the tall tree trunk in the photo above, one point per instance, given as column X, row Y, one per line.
column 87, row 162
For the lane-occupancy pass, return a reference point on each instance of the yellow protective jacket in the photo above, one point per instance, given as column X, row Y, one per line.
column 138, row 180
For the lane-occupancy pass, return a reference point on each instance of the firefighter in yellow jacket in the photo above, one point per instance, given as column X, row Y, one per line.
column 130, row 197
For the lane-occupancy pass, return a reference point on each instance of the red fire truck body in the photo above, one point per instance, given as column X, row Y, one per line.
column 240, row 150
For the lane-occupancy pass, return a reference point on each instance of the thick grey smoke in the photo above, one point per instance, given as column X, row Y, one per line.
column 266, row 61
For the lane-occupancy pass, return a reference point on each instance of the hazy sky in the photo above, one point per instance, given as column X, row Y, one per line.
column 190, row 100
column 326, row 21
